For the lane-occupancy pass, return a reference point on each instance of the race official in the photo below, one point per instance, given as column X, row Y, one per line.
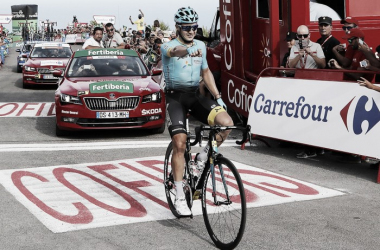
column 112, row 39
column 94, row 42
column 306, row 54
column 327, row 41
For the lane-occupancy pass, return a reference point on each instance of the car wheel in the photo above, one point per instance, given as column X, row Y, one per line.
column 159, row 130
column 25, row 85
column 60, row 132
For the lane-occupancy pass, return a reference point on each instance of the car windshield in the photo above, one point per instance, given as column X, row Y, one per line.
column 47, row 52
column 106, row 66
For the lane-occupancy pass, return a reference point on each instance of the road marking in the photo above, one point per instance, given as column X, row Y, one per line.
column 91, row 195
column 91, row 145
column 27, row 109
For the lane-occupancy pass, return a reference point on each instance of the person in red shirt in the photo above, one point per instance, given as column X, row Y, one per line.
column 353, row 55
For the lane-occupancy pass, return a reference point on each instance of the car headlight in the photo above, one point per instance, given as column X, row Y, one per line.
column 22, row 59
column 27, row 68
column 70, row 99
column 155, row 97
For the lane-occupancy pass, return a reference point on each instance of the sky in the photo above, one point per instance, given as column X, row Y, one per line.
column 62, row 12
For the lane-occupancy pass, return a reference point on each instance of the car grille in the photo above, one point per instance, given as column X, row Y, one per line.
column 47, row 70
column 102, row 103
column 121, row 122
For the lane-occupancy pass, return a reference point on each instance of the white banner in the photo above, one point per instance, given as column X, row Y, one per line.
column 5, row 18
column 105, row 19
column 335, row 115
column 71, row 38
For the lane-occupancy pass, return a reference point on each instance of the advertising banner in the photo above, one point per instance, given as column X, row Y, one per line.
column 5, row 19
column 341, row 116
column 24, row 20
column 104, row 19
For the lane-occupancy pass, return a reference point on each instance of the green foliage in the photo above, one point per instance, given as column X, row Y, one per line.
column 206, row 31
column 163, row 26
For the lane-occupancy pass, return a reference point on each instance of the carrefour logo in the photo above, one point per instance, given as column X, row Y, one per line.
column 361, row 115
column 297, row 109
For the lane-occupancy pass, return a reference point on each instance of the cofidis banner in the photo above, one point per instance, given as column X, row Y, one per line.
column 336, row 115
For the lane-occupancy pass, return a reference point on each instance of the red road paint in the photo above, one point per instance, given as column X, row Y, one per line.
column 130, row 191
column 44, row 109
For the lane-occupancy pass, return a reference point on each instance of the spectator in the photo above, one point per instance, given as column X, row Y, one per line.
column 140, row 22
column 152, row 38
column 94, row 42
column 310, row 56
column 156, row 26
column 353, row 56
column 349, row 23
column 2, row 50
column 364, row 82
column 327, row 41
column 317, row 10
column 113, row 39
column 160, row 35
column 173, row 36
column 291, row 38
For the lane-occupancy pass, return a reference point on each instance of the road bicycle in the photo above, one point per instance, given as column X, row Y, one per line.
column 219, row 187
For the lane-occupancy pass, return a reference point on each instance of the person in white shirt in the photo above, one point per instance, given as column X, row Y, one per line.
column 94, row 42
column 306, row 54
column 317, row 10
column 112, row 39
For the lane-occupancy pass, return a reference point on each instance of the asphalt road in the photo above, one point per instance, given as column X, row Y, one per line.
column 346, row 221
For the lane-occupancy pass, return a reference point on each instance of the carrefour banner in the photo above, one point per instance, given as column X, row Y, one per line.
column 336, row 115
column 24, row 19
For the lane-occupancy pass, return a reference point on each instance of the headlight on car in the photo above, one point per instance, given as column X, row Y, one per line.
column 27, row 68
column 155, row 97
column 70, row 99
column 22, row 59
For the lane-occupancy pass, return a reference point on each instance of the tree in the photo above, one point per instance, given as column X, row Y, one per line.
column 163, row 26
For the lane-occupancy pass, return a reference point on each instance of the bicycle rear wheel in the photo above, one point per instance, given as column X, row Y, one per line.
column 225, row 219
column 170, row 191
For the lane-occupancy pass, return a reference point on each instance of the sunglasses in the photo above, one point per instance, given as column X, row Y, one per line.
column 302, row 35
column 351, row 40
column 347, row 28
column 110, row 30
column 188, row 28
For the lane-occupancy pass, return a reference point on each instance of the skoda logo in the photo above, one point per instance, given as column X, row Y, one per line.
column 112, row 96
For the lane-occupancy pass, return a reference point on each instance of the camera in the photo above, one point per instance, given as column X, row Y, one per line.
column 300, row 44
column 331, row 64
column 363, row 63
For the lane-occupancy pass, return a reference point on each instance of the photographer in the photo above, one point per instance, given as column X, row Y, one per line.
column 306, row 54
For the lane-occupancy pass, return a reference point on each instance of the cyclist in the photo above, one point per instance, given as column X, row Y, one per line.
column 184, row 60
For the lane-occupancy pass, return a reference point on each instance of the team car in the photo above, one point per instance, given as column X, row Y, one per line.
column 42, row 60
column 24, row 53
column 108, row 89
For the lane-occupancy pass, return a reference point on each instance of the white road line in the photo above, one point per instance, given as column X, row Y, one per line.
column 92, row 146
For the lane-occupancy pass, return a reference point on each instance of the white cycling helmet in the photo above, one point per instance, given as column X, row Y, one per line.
column 186, row 15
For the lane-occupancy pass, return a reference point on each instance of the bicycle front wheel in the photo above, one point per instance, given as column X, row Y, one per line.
column 223, row 204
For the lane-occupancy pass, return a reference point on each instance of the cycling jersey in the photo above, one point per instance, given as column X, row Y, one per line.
column 182, row 73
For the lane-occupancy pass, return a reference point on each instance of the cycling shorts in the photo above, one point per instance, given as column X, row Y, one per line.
column 179, row 103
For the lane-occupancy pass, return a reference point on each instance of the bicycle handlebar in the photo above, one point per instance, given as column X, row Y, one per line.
column 198, row 132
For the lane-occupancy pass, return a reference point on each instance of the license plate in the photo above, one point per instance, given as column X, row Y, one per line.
column 108, row 115
column 49, row 77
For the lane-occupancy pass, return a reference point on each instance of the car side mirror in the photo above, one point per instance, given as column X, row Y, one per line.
column 18, row 50
column 156, row 72
column 57, row 73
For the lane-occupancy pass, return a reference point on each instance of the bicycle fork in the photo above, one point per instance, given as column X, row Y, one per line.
column 214, row 154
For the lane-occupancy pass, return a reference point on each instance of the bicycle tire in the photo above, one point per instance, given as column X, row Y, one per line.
column 223, row 235
column 170, row 192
